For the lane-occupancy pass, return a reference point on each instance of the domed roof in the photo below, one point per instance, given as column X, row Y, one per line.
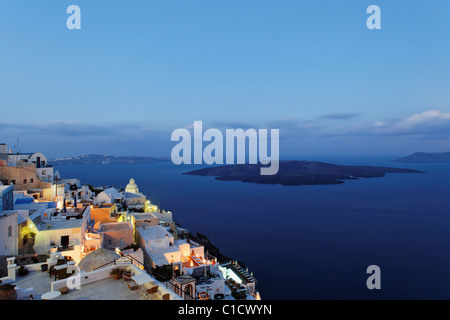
column 132, row 186
column 98, row 258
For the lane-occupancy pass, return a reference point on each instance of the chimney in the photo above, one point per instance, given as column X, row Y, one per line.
column 11, row 268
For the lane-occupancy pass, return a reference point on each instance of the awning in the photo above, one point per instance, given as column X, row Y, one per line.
column 142, row 278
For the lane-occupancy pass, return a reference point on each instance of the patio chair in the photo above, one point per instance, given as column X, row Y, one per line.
column 154, row 289
column 151, row 291
column 133, row 285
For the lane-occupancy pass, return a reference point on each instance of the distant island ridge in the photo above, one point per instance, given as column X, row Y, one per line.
column 291, row 173
column 424, row 157
column 91, row 159
column 296, row 173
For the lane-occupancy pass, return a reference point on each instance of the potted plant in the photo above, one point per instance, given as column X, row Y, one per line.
column 116, row 273
column 52, row 271
column 8, row 292
column 22, row 271
column 64, row 290
column 127, row 275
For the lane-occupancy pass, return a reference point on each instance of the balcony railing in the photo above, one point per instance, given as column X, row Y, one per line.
column 66, row 248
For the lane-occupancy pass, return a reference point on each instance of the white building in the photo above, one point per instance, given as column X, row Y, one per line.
column 210, row 283
column 110, row 195
column 161, row 248
column 140, row 219
column 8, row 233
column 134, row 201
column 6, row 198
column 8, row 222
column 158, row 245
column 43, row 170
column 64, row 232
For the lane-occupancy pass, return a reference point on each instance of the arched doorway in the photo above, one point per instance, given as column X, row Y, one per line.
column 188, row 292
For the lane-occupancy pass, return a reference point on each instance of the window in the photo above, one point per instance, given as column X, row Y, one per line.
column 13, row 181
column 109, row 242
column 65, row 241
column 10, row 231
column 24, row 181
column 31, row 180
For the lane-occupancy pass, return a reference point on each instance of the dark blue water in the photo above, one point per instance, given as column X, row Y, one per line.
column 313, row 242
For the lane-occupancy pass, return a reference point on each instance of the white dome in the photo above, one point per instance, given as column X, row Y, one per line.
column 132, row 187
column 98, row 258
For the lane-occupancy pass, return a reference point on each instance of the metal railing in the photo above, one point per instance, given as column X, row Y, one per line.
column 66, row 248
column 106, row 264
column 114, row 262
column 138, row 263
column 169, row 284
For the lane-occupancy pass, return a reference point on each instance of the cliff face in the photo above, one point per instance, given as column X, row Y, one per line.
column 212, row 250
column 423, row 157
column 293, row 173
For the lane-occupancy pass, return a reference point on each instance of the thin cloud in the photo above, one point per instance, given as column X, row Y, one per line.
column 76, row 129
column 339, row 116
column 231, row 125
column 431, row 122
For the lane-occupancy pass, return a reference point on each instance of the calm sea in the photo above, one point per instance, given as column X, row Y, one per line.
column 313, row 242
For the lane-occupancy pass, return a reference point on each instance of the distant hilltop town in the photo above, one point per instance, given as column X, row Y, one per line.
column 104, row 159
column 63, row 240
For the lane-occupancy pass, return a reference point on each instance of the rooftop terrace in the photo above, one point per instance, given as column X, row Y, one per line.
column 97, row 285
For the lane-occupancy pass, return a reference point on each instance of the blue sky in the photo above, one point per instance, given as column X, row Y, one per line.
column 139, row 69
